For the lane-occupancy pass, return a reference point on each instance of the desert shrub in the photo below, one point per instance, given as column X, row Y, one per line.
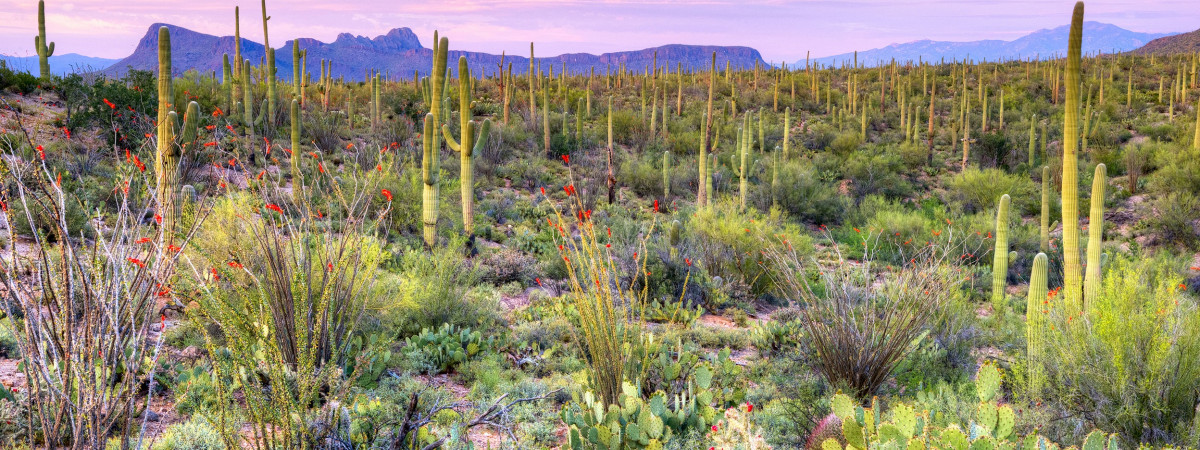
column 802, row 195
column 1131, row 362
column 876, row 174
column 863, row 319
column 508, row 265
column 978, row 190
column 437, row 287
column 729, row 242
column 845, row 144
column 195, row 434
column 1170, row 220
column 1179, row 170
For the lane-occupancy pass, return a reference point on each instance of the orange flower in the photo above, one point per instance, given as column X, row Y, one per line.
column 136, row 262
column 387, row 194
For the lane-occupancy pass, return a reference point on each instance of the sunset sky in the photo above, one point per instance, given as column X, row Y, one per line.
column 781, row 30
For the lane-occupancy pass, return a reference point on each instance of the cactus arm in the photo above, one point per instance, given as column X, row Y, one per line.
column 450, row 141
column 484, row 130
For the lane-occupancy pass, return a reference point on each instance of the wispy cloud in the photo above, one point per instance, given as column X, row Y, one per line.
column 783, row 30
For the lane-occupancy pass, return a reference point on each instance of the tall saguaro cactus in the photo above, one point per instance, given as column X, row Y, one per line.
column 1072, row 280
column 702, row 192
column 1045, row 219
column 297, row 177
column 1091, row 281
column 269, row 117
column 1000, row 254
column 1035, row 324
column 666, row 174
column 44, row 49
column 166, row 160
column 466, row 146
column 432, row 141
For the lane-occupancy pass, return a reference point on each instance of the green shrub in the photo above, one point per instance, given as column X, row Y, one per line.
column 1131, row 362
column 978, row 190
column 1170, row 220
column 804, row 196
column 195, row 434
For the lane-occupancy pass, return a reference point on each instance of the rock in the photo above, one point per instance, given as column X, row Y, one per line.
column 152, row 416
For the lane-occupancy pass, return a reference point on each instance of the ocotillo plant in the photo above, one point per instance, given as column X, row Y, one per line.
column 466, row 146
column 1036, row 307
column 432, row 141
column 1072, row 281
column 167, row 154
column 1000, row 254
column 297, row 177
column 1091, row 282
column 44, row 49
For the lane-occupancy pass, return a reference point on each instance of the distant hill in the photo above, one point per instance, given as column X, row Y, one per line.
column 1041, row 44
column 1171, row 45
column 399, row 53
column 59, row 64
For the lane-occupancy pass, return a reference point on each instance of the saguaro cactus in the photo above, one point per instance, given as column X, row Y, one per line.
column 666, row 174
column 43, row 48
column 744, row 150
column 787, row 130
column 297, row 69
column 269, row 116
column 612, row 179
column 1091, row 282
column 432, row 141
column 1000, row 254
column 1072, row 281
column 702, row 191
column 466, row 146
column 1045, row 219
column 167, row 154
column 1035, row 324
column 297, row 177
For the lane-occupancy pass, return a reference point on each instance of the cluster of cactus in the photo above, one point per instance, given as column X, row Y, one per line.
column 366, row 360
column 774, row 337
column 433, row 91
column 679, row 392
column 906, row 427
column 671, row 312
column 467, row 144
column 448, row 346
column 174, row 138
column 44, row 48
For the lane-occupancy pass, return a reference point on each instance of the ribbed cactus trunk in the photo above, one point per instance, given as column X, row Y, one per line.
column 612, row 179
column 248, row 102
column 703, row 188
column 532, row 90
column 466, row 147
column 546, row 118
column 743, row 184
column 1196, row 136
column 167, row 154
column 1045, row 218
column 269, row 114
column 1072, row 279
column 227, row 83
column 929, row 132
column 1000, row 254
column 1091, row 281
column 666, row 174
column 1036, row 309
column 432, row 141
column 1032, row 158
column 297, row 176
column 297, row 69
column 787, row 130
column 44, row 49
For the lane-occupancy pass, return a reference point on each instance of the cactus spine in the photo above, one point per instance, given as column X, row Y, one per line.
column 1072, row 282
column 467, row 145
column 1091, row 282
column 431, row 141
column 167, row 154
column 1035, row 324
column 297, row 178
column 44, row 49
column 1000, row 254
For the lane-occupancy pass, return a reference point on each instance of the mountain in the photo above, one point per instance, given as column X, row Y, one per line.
column 1185, row 43
column 1041, row 44
column 59, row 64
column 399, row 53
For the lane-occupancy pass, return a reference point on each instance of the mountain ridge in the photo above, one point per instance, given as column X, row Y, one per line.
column 399, row 53
column 1040, row 44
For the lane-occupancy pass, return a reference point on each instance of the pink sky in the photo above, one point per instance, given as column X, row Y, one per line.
column 781, row 30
